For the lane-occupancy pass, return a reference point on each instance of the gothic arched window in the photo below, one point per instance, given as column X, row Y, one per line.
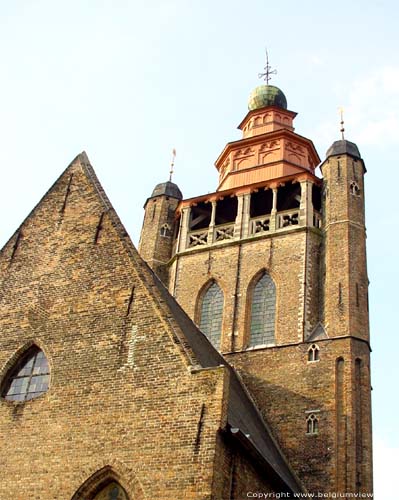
column 211, row 314
column 312, row 424
column 113, row 491
column 313, row 353
column 28, row 378
column 354, row 188
column 263, row 310
column 165, row 230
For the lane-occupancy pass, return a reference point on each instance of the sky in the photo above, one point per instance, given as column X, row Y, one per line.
column 128, row 81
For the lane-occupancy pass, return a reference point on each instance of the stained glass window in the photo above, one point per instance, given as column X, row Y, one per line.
column 263, row 312
column 29, row 378
column 211, row 314
column 113, row 491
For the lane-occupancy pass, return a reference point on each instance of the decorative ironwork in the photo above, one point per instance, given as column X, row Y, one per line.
column 172, row 164
column 268, row 70
column 342, row 130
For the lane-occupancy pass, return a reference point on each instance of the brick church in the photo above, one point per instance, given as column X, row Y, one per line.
column 229, row 357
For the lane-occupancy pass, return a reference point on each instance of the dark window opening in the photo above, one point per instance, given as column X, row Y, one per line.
column 176, row 228
column 261, row 203
column 200, row 216
column 29, row 378
column 316, row 197
column 288, row 196
column 154, row 207
column 226, row 210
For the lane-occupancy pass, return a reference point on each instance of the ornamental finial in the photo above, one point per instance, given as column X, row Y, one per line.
column 268, row 70
column 172, row 164
column 342, row 129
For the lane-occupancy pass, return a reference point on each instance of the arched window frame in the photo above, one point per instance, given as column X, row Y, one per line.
column 165, row 230
column 16, row 363
column 108, row 474
column 312, row 423
column 313, row 353
column 354, row 188
column 216, row 342
column 250, row 296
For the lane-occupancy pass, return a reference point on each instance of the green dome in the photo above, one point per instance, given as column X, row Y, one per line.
column 266, row 95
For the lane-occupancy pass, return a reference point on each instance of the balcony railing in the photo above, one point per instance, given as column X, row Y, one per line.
column 259, row 225
column 223, row 232
column 287, row 218
column 198, row 238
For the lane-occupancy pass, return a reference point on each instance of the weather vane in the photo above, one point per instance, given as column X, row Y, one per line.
column 342, row 130
column 172, row 164
column 268, row 70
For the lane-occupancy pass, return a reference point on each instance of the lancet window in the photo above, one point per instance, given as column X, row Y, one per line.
column 263, row 310
column 312, row 424
column 313, row 353
column 212, row 313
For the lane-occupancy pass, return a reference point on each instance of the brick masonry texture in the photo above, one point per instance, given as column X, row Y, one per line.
column 128, row 399
column 321, row 279
column 121, row 394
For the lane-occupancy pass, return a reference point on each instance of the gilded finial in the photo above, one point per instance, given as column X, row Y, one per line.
column 342, row 130
column 268, row 70
column 172, row 164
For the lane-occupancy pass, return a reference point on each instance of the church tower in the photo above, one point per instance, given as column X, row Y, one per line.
column 159, row 227
column 272, row 268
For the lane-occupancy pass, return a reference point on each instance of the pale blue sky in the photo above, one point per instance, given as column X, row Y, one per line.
column 127, row 81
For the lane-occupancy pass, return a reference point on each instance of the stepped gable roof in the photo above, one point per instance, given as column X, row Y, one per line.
column 244, row 419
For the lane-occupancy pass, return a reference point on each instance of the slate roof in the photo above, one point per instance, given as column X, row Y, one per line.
column 343, row 147
column 168, row 189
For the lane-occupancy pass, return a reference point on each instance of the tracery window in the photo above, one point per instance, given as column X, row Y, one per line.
column 312, row 424
column 211, row 314
column 29, row 378
column 313, row 353
column 165, row 230
column 354, row 188
column 113, row 491
column 263, row 310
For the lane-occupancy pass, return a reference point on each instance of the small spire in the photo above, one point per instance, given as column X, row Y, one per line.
column 342, row 130
column 172, row 164
column 268, row 70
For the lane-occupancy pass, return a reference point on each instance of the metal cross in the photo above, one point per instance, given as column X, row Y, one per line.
column 268, row 71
